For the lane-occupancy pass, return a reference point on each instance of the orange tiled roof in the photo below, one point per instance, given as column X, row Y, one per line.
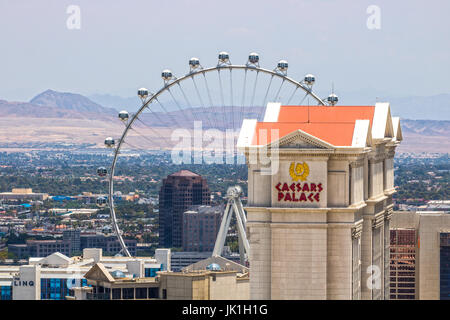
column 337, row 134
column 320, row 114
column 334, row 125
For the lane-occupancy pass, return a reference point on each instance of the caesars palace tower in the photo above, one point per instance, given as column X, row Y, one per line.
column 320, row 186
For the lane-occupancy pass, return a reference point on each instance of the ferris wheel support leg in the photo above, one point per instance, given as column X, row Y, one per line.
column 241, row 212
column 241, row 229
column 241, row 249
column 221, row 236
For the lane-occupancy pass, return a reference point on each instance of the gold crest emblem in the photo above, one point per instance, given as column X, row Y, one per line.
column 299, row 171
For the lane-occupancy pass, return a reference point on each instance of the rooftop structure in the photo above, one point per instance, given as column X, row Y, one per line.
column 208, row 283
column 52, row 277
column 22, row 194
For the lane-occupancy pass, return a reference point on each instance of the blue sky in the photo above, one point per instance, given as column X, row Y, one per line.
column 123, row 45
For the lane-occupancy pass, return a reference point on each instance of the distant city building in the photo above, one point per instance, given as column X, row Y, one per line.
column 200, row 227
column 436, row 205
column 420, row 255
column 71, row 243
column 73, row 236
column 108, row 243
column 179, row 191
column 23, row 194
column 403, row 248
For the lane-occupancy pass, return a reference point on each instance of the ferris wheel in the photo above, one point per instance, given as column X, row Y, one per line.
column 218, row 97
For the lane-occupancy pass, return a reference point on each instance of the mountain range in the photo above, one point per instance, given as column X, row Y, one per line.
column 53, row 104
column 55, row 116
column 436, row 107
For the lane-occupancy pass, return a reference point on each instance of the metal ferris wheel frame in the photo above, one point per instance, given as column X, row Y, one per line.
column 222, row 65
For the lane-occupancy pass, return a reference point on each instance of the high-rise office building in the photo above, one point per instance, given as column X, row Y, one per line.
column 420, row 255
column 320, row 186
column 179, row 191
column 73, row 236
column 403, row 248
column 444, row 264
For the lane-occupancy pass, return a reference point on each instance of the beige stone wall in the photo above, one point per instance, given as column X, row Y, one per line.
column 338, row 183
column 366, row 257
column 227, row 287
column 339, row 262
column 259, row 235
column 357, row 184
column 377, row 184
column 377, row 263
column 299, row 262
column 429, row 254
column 389, row 173
column 337, row 193
column 259, row 187
column 178, row 287
column 404, row 220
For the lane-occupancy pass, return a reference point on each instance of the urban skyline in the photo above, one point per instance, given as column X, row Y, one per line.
column 249, row 151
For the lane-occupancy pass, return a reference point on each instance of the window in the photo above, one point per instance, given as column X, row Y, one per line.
column 127, row 293
column 445, row 266
column 141, row 293
column 153, row 293
column 116, row 294
column 5, row 293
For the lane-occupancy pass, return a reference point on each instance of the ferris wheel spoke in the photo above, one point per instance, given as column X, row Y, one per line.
column 209, row 94
column 166, row 123
column 278, row 92
column 222, row 100
column 267, row 92
column 153, row 142
column 176, row 102
column 231, row 99
column 202, row 103
column 252, row 104
column 151, row 128
column 292, row 95
column 241, row 116
column 191, row 107
column 303, row 99
column 207, row 90
column 133, row 147
column 169, row 114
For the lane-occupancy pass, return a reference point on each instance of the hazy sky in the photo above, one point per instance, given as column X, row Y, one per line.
column 123, row 45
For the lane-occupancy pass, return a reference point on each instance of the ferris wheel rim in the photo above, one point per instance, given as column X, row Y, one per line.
column 166, row 87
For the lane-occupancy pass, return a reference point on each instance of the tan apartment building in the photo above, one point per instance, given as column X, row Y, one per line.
column 420, row 255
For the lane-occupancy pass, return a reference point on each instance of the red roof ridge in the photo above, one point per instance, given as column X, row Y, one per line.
column 184, row 173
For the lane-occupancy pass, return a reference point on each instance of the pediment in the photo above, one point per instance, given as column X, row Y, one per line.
column 382, row 122
column 57, row 258
column 301, row 140
column 99, row 273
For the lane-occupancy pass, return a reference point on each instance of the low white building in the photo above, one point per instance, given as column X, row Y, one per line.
column 52, row 277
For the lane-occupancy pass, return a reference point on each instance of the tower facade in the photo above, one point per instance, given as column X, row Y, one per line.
column 178, row 193
column 320, row 185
